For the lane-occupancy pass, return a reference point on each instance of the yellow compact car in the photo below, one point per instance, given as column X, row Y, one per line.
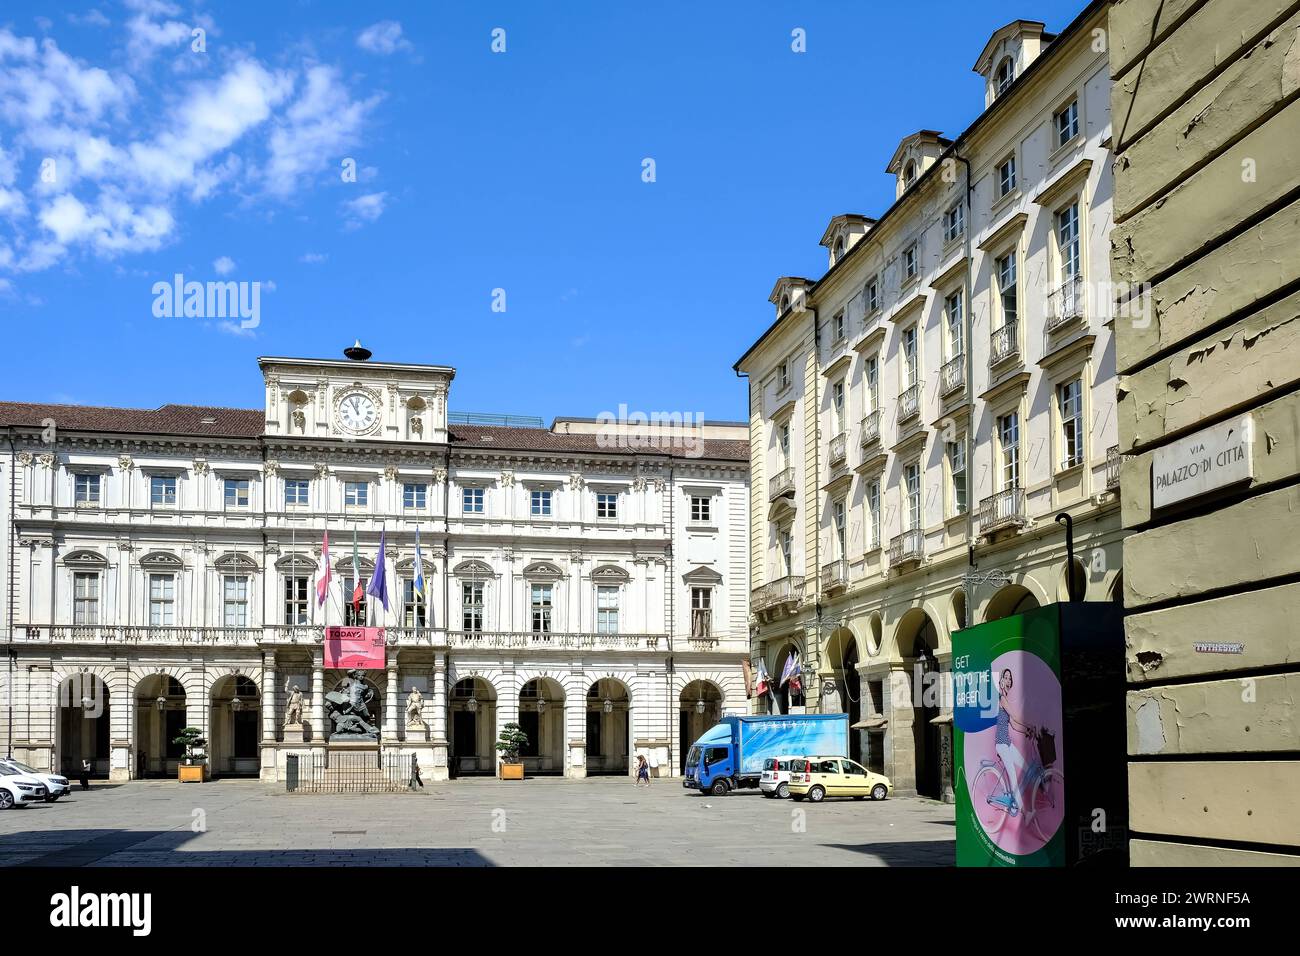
column 822, row 777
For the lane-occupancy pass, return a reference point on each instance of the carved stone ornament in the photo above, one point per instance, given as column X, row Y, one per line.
column 299, row 419
column 24, row 458
column 639, row 483
column 322, row 469
column 417, row 425
column 390, row 472
column 660, row 485
column 577, row 482
column 46, row 459
column 439, row 475
column 272, row 466
column 507, row 479
column 125, row 462
column 200, row 466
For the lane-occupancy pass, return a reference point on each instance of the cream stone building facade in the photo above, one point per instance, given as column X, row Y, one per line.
column 921, row 413
column 589, row 581
column 1207, row 211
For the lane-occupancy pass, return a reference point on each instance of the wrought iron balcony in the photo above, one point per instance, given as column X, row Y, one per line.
column 782, row 483
column 908, row 547
column 1065, row 303
column 782, row 591
column 909, row 402
column 1006, row 509
column 952, row 377
column 838, row 450
column 1004, row 344
column 871, row 429
column 1112, row 467
column 835, row 575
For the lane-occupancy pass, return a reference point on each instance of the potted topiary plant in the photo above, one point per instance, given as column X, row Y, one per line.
column 510, row 743
column 194, row 765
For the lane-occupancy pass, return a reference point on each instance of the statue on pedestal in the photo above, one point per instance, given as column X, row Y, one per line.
column 348, row 708
column 293, row 707
column 414, row 704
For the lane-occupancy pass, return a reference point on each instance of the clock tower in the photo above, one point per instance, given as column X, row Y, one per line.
column 356, row 399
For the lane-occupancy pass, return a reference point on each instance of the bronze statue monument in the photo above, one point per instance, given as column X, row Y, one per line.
column 348, row 708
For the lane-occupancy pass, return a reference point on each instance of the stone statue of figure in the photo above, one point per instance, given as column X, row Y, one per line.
column 414, row 703
column 293, row 709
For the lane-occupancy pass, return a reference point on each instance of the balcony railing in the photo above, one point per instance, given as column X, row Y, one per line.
column 907, row 547
column 952, row 377
column 545, row 640
column 786, row 590
column 838, row 450
column 1112, row 467
column 1065, row 303
column 1004, row 344
column 782, row 483
column 1003, row 510
column 909, row 402
column 871, row 429
column 139, row 634
column 835, row 575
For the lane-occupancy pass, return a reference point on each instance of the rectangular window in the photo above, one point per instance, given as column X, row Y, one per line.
column 1006, row 176
column 957, row 470
column 606, row 610
column 837, row 404
column 353, row 617
column 909, row 356
column 295, row 600
column 541, row 607
column 412, row 606
column 296, row 492
column 85, row 598
column 86, row 489
column 786, row 550
column 1007, row 287
column 234, row 600
column 837, row 326
column 783, row 440
column 871, row 379
column 356, row 494
column 840, row 513
column 912, row 490
column 1067, row 123
column 701, row 508
column 701, row 612
column 415, row 496
column 956, row 325
column 162, row 491
column 471, row 501
column 1009, row 442
column 873, row 512
column 607, row 505
column 911, row 262
column 1069, row 399
column 236, row 492
column 162, row 600
column 471, row 606
column 782, row 376
column 541, row 504
column 871, row 296
column 1067, row 241
column 954, row 223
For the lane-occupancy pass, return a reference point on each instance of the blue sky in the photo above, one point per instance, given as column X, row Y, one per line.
column 127, row 156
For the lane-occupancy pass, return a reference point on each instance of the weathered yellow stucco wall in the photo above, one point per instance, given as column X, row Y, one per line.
column 1207, row 210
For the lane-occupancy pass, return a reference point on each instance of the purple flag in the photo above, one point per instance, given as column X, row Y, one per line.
column 379, row 580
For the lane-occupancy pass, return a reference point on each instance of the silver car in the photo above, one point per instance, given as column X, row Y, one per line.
column 55, row 785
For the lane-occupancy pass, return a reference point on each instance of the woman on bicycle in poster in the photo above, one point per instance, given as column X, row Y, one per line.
column 1010, row 718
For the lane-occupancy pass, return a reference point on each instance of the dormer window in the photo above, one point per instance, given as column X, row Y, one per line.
column 1005, row 75
column 785, row 304
column 909, row 174
column 839, row 248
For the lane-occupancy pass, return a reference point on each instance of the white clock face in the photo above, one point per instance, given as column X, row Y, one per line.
column 357, row 412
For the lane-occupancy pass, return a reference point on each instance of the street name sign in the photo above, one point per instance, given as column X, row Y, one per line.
column 1201, row 462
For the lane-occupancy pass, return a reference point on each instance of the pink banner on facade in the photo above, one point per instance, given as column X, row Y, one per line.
column 359, row 647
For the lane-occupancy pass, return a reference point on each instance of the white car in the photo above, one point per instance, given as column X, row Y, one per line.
column 775, row 781
column 55, row 785
column 19, row 789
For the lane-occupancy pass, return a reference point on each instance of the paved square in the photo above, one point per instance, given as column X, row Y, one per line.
column 476, row 822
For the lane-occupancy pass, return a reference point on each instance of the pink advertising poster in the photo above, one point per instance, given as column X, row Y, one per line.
column 359, row 647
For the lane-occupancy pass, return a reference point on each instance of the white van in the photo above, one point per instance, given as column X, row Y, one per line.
column 775, row 781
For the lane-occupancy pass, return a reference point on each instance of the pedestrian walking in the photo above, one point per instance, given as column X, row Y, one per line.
column 85, row 775
column 415, row 774
column 642, row 771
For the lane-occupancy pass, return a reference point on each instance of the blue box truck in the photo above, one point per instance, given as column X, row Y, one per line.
column 730, row 754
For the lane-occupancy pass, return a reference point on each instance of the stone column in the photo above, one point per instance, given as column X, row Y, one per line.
column 900, row 745
column 266, row 752
column 439, row 723
column 317, row 696
column 575, row 729
column 390, row 703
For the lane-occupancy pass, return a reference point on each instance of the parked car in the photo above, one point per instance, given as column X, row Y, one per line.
column 55, row 785
column 822, row 777
column 775, row 781
column 731, row 754
column 19, row 789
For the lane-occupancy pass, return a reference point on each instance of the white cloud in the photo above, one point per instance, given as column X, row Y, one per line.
column 148, row 31
column 311, row 258
column 235, row 328
column 92, row 18
column 224, row 266
column 383, row 38
column 317, row 126
column 364, row 209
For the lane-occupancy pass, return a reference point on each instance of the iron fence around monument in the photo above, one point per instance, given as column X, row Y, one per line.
column 363, row 772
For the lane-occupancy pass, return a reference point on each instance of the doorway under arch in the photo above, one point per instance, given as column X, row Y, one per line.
column 1010, row 599
column 609, row 728
column 159, row 718
column 235, row 727
column 473, row 728
column 918, row 640
column 85, row 709
column 541, row 718
column 843, row 657
column 786, row 694
column 699, row 708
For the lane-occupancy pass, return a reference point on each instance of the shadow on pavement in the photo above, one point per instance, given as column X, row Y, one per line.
column 934, row 852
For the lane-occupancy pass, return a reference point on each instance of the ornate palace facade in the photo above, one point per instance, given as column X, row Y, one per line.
column 588, row 581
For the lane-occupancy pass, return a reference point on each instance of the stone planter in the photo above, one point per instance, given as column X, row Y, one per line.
column 512, row 771
column 192, row 773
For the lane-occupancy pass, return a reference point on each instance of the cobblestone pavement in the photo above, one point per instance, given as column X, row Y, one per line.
column 481, row 822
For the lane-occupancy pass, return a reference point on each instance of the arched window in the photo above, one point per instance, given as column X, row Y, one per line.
column 839, row 248
column 909, row 174
column 1005, row 74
